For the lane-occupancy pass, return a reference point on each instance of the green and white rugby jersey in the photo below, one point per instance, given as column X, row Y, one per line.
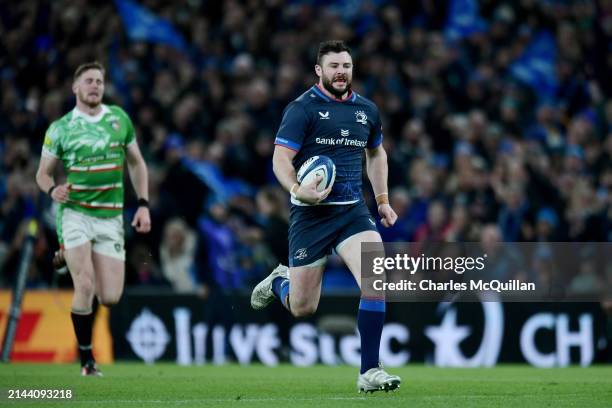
column 92, row 149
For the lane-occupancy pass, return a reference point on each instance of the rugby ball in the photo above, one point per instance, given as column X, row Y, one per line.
column 314, row 166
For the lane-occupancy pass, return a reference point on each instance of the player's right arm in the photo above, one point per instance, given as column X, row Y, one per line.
column 51, row 152
column 44, row 179
column 282, row 164
column 289, row 140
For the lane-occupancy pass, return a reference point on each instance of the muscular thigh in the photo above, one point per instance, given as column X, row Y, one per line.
column 108, row 257
column 110, row 275
column 79, row 261
column 305, row 286
column 350, row 251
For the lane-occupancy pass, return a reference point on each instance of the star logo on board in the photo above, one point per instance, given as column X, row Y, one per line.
column 448, row 336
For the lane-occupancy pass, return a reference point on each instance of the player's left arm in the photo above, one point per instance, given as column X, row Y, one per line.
column 377, row 168
column 139, row 177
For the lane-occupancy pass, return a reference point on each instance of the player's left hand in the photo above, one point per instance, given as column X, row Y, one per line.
column 142, row 220
column 388, row 215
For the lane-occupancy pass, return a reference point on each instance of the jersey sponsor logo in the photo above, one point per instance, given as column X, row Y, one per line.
column 340, row 142
column 361, row 117
column 324, row 115
column 344, row 132
column 301, row 253
column 95, row 168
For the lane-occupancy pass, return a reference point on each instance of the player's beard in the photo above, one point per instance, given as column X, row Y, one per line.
column 328, row 85
column 91, row 102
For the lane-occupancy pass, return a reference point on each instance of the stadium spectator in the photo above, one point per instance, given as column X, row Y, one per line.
column 454, row 111
column 177, row 257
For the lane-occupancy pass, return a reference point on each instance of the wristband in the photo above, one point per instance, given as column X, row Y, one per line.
column 51, row 190
column 143, row 203
column 293, row 193
column 382, row 198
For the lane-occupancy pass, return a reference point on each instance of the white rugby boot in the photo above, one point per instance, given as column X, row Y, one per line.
column 262, row 294
column 377, row 379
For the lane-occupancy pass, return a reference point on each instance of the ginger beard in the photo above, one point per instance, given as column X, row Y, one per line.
column 90, row 98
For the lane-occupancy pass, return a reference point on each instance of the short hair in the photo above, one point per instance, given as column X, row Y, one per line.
column 87, row 66
column 327, row 47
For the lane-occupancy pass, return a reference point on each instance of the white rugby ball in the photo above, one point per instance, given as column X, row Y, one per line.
column 314, row 166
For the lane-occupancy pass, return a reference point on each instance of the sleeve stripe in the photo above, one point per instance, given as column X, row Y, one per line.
column 287, row 147
column 287, row 143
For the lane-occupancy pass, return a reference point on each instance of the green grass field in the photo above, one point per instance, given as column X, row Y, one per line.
column 162, row 385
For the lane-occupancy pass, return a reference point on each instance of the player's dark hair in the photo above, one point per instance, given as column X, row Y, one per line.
column 327, row 47
column 87, row 66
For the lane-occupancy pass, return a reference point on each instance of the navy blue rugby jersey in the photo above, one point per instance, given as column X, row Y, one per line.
column 315, row 124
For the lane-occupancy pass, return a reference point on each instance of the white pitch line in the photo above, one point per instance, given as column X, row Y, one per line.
column 242, row 399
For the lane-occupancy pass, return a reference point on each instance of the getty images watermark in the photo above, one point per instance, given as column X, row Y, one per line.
column 533, row 271
column 404, row 263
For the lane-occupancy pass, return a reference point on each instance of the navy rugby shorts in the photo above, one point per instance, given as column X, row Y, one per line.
column 315, row 230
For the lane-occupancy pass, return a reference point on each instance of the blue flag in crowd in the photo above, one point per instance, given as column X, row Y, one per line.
column 536, row 67
column 143, row 25
column 463, row 20
column 224, row 188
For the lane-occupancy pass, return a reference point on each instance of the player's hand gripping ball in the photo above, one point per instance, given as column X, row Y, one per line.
column 315, row 166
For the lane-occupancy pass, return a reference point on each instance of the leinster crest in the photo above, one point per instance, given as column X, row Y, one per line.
column 361, row 117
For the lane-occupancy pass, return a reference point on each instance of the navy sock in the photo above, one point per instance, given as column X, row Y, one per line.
column 284, row 291
column 280, row 288
column 276, row 286
column 370, row 320
column 83, row 325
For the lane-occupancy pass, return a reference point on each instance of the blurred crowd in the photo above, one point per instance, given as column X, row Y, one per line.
column 474, row 152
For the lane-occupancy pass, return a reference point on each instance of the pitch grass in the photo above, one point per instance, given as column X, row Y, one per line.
column 168, row 385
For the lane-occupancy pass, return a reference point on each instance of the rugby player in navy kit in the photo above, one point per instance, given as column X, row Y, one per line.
column 331, row 119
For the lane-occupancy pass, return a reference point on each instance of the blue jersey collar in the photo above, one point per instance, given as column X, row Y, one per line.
column 315, row 88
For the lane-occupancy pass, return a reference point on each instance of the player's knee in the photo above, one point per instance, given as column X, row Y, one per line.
column 303, row 310
column 109, row 299
column 84, row 287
